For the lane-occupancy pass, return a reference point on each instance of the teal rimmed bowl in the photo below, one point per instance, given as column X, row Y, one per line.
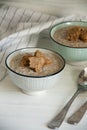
column 73, row 55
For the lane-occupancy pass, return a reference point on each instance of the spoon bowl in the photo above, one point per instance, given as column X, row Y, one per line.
column 82, row 86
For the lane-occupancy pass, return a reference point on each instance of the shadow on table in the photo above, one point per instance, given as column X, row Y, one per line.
column 44, row 40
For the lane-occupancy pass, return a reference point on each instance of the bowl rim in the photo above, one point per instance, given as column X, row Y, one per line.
column 9, row 68
column 61, row 24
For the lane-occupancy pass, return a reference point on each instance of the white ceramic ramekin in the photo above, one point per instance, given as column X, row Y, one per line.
column 30, row 84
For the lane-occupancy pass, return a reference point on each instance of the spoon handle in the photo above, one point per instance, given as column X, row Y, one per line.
column 77, row 116
column 58, row 119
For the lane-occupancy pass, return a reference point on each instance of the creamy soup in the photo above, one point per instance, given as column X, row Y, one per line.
column 55, row 65
column 60, row 37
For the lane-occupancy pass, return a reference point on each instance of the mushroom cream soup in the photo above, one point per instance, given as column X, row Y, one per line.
column 39, row 65
column 77, row 36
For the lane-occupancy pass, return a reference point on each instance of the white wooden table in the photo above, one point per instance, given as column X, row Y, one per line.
column 19, row 111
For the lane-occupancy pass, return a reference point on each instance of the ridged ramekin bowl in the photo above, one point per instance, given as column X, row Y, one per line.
column 32, row 84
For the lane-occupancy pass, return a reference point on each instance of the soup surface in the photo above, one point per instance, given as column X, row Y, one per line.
column 78, row 36
column 54, row 66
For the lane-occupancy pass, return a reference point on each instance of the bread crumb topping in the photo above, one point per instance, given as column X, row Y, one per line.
column 35, row 62
column 75, row 33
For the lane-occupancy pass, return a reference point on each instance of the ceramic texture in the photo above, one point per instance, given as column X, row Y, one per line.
column 71, row 54
column 33, row 83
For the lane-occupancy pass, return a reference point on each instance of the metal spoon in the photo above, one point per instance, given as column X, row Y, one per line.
column 58, row 119
column 3, row 72
column 77, row 116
